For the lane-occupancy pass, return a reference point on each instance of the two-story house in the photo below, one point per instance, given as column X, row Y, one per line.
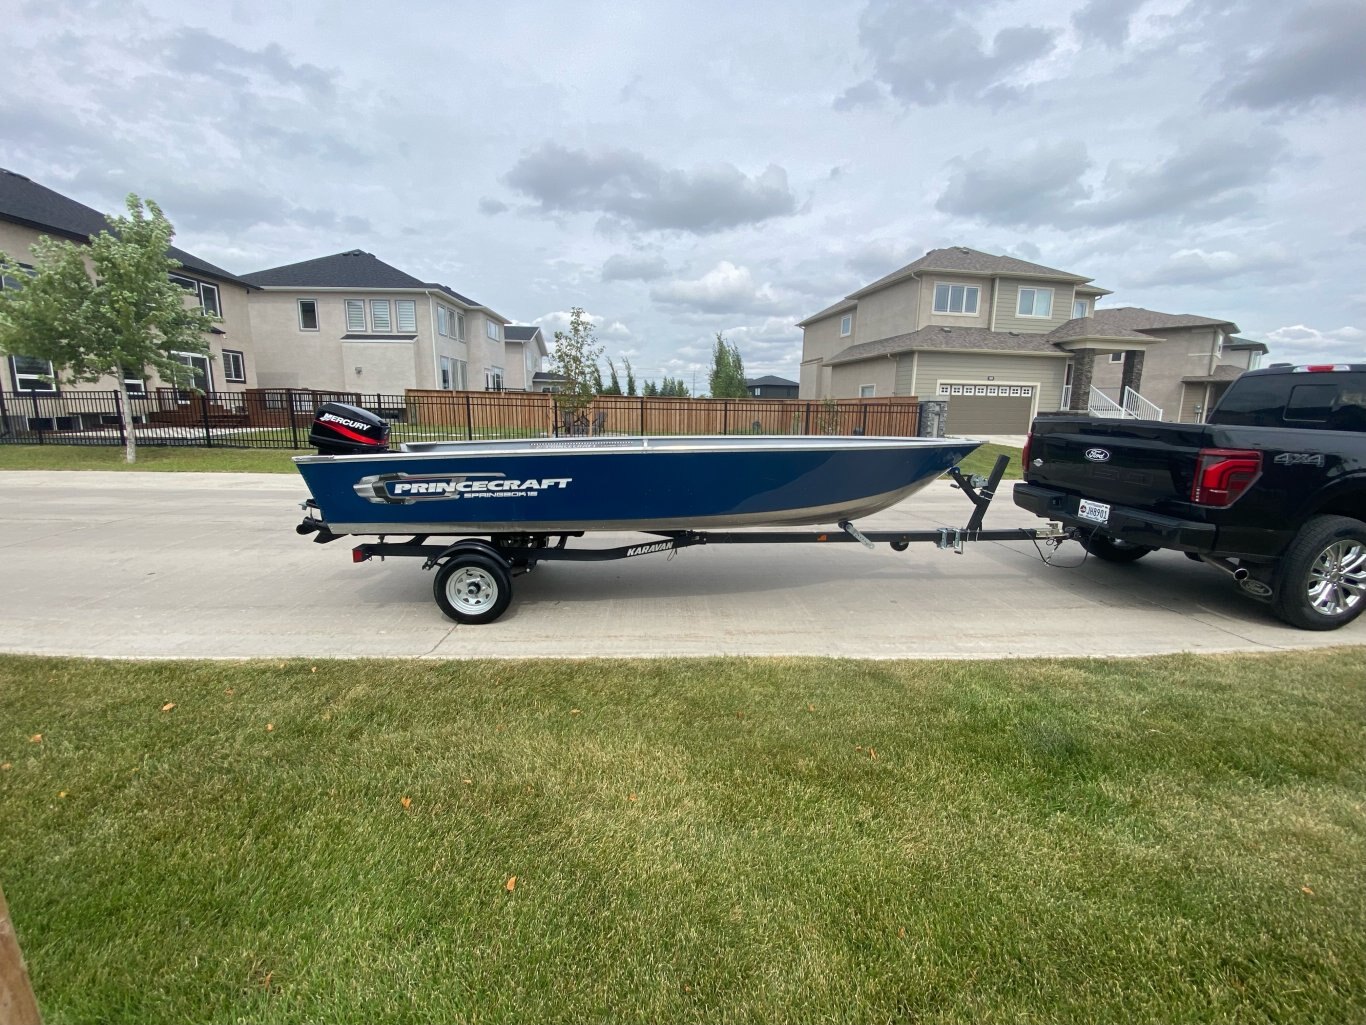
column 1002, row 340
column 29, row 211
column 526, row 355
column 351, row 322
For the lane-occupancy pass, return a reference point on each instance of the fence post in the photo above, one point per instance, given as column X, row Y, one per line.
column 293, row 424
column 204, row 408
column 863, row 427
column 725, row 416
column 806, row 429
column 42, row 437
column 469, row 418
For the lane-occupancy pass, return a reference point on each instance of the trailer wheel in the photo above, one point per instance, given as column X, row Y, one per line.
column 1112, row 549
column 473, row 588
column 1321, row 581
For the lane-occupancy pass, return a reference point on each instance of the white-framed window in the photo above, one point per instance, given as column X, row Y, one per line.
column 493, row 329
column 867, row 391
column 32, row 374
column 234, row 366
column 308, row 314
column 846, row 325
column 459, row 327
column 1035, row 302
column 1116, row 357
column 379, row 316
column 405, row 312
column 355, row 315
column 1218, row 342
column 446, row 375
column 961, row 299
column 461, row 374
column 1080, row 308
column 202, row 377
column 443, row 321
column 134, row 384
column 205, row 293
column 493, row 378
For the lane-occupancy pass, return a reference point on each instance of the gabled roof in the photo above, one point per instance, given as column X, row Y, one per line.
column 770, row 382
column 1246, row 343
column 977, row 339
column 456, row 295
column 25, row 202
column 1136, row 318
column 351, row 269
column 962, row 260
column 1223, row 372
column 519, row 332
column 1094, row 327
column 839, row 307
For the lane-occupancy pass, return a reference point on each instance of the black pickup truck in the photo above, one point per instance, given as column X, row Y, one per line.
column 1272, row 489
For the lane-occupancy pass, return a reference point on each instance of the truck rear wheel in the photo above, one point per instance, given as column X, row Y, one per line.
column 1112, row 549
column 1321, row 581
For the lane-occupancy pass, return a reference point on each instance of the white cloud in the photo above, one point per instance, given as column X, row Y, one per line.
column 725, row 288
column 1298, row 343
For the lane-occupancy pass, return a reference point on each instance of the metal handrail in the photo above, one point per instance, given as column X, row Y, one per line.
column 1136, row 406
column 1101, row 404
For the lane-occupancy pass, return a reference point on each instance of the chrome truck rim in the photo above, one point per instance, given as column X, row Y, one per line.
column 1337, row 580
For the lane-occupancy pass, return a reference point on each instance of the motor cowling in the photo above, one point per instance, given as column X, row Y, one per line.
column 342, row 430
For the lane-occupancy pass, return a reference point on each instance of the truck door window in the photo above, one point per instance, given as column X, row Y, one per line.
column 1310, row 403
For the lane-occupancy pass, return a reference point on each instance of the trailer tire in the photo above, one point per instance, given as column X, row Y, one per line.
column 472, row 587
column 1320, row 583
column 1111, row 549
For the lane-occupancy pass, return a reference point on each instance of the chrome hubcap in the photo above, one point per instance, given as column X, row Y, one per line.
column 471, row 589
column 1337, row 580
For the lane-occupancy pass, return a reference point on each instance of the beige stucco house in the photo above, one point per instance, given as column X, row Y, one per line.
column 29, row 211
column 1003, row 340
column 352, row 323
column 526, row 355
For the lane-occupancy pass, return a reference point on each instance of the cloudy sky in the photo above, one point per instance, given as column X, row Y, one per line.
column 679, row 169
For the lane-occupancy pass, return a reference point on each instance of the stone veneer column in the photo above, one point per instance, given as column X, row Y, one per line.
column 1132, row 375
column 1083, row 367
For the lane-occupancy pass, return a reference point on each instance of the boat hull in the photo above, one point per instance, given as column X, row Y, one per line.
column 563, row 485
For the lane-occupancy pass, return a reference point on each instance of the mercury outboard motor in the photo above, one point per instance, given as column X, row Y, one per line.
column 342, row 430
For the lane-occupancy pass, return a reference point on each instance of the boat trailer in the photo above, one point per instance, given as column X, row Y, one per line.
column 474, row 573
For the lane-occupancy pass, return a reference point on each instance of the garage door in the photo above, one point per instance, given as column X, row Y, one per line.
column 988, row 408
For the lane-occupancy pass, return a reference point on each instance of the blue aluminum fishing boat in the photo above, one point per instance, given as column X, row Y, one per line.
column 551, row 485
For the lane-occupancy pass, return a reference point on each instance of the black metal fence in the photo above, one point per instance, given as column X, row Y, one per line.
column 279, row 418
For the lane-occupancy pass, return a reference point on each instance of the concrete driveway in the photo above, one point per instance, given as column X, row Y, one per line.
column 208, row 566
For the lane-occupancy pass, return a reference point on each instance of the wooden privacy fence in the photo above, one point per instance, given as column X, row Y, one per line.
column 621, row 414
column 280, row 417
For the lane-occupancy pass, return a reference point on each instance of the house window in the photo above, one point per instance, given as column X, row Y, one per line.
column 443, row 321
column 201, row 378
column 445, row 373
column 1218, row 343
column 1116, row 357
column 867, row 391
column 956, row 299
column 205, row 293
column 460, row 374
column 1035, row 302
column 234, row 366
column 491, row 329
column 406, row 312
column 493, row 378
column 459, row 327
column 32, row 374
column 308, row 314
column 379, row 316
column 355, row 315
column 846, row 325
column 134, row 384
column 1080, row 308
column 208, row 298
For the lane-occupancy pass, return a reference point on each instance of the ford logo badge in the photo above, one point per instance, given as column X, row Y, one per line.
column 1097, row 455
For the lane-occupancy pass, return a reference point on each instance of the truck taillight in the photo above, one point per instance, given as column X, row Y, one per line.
column 1223, row 474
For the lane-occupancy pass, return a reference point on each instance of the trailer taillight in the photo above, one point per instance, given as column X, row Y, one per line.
column 1223, row 474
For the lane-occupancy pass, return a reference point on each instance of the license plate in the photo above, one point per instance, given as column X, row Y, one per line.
column 1093, row 512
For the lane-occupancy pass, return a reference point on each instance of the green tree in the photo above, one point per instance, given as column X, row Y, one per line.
column 630, row 377
column 128, row 318
column 651, row 390
column 727, row 378
column 575, row 359
column 613, row 386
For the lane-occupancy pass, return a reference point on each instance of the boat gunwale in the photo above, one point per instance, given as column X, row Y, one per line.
column 692, row 444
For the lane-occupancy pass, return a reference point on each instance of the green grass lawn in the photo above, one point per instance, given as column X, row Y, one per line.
column 241, row 460
column 1166, row 839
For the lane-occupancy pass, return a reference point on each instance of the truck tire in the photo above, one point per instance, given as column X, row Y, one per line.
column 1321, row 580
column 1113, row 550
